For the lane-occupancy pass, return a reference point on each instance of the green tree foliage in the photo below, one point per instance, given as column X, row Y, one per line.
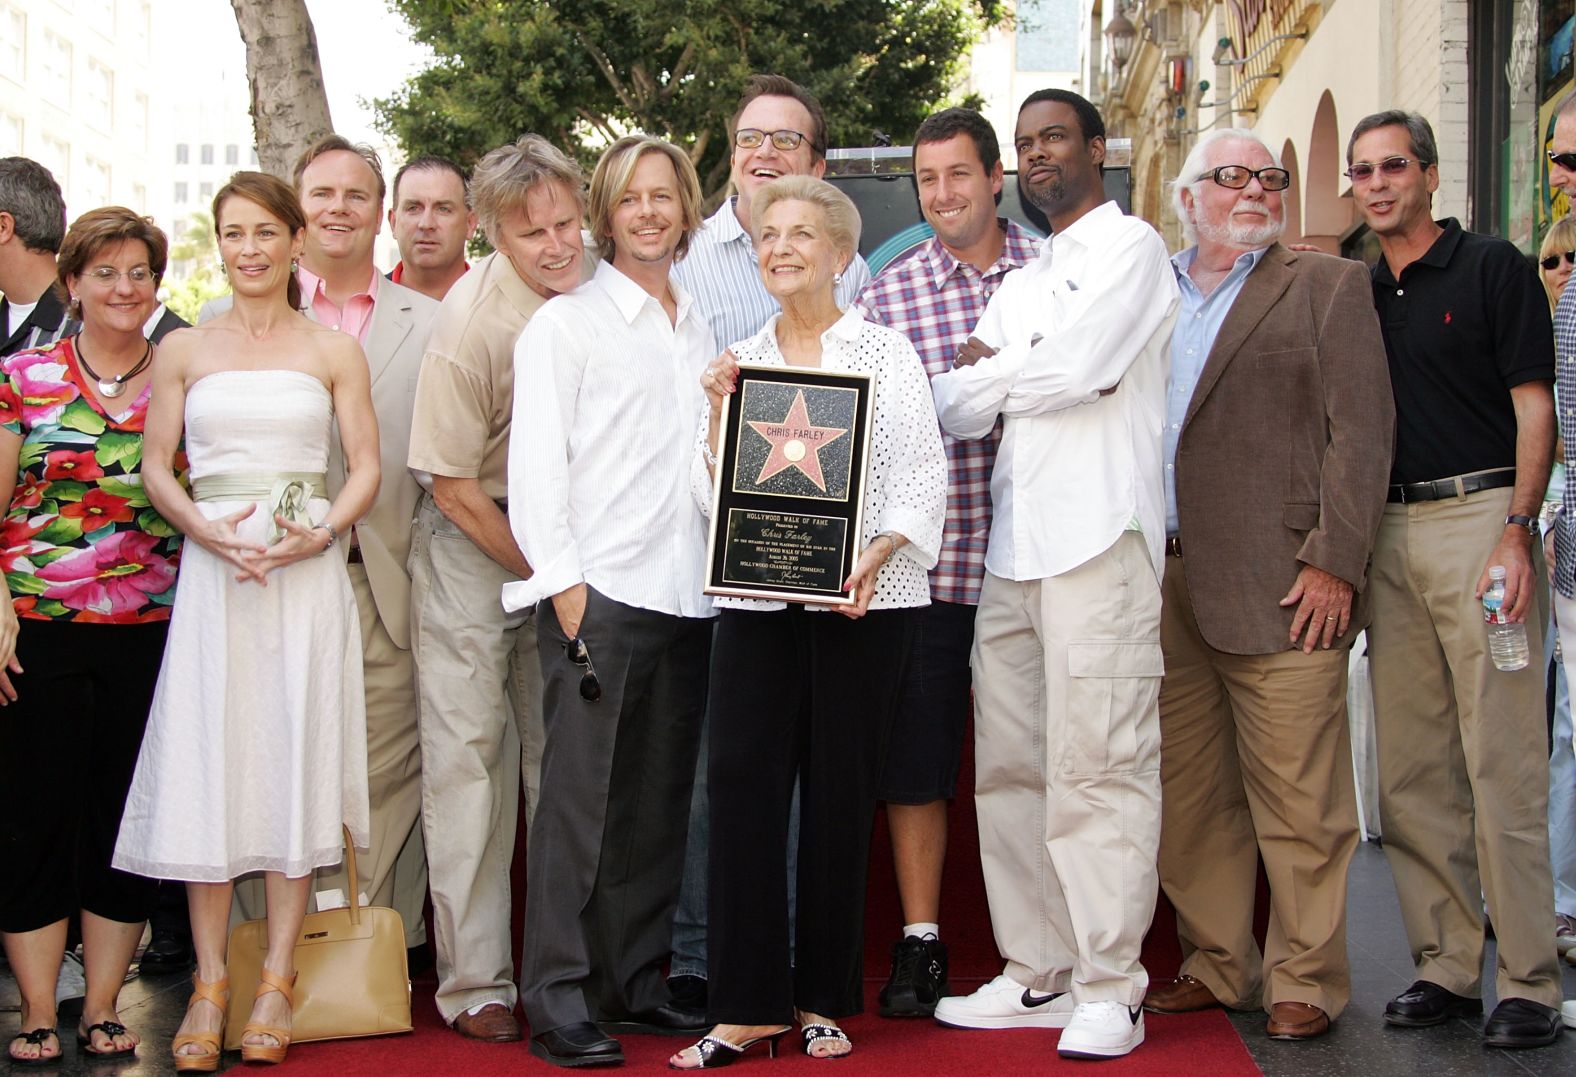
column 195, row 274
column 583, row 72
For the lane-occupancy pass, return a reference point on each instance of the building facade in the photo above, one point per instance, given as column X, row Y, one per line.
column 1301, row 73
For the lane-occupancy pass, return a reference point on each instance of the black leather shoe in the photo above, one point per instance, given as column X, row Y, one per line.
column 1520, row 1022
column 1425, row 1004
column 167, row 951
column 667, row 1020
column 579, row 1044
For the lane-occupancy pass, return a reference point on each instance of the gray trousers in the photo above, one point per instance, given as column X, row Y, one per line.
column 607, row 849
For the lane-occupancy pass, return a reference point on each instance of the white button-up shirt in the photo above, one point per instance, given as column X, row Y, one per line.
column 1077, row 465
column 606, row 390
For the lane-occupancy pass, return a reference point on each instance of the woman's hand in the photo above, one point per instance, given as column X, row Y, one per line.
column 719, row 379
column 296, row 544
column 862, row 581
column 8, row 661
column 218, row 537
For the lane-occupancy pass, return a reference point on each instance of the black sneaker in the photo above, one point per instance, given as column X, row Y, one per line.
column 918, row 980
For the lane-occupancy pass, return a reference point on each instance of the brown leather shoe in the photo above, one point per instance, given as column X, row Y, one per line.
column 1296, row 1021
column 1181, row 995
column 493, row 1023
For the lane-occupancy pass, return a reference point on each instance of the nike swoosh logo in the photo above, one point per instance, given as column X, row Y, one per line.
column 1030, row 1001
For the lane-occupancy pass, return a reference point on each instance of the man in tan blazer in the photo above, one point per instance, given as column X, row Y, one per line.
column 341, row 189
column 1279, row 430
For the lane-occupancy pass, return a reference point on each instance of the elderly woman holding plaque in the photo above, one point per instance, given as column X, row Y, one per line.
column 799, row 690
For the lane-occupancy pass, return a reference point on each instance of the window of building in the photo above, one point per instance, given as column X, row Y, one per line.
column 101, row 95
column 207, row 153
column 55, row 155
column 232, row 154
column 139, row 121
column 95, row 182
column 139, row 198
column 142, row 29
column 183, row 153
column 182, row 195
column 205, row 192
column 254, row 156
column 10, row 135
column 57, row 69
column 13, row 43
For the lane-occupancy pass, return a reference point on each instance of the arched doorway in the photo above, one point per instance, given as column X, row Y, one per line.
column 1326, row 215
column 1292, row 199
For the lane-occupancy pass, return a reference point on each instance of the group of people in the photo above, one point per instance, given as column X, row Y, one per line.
column 446, row 537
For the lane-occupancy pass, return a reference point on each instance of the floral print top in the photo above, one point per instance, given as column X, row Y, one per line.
column 80, row 542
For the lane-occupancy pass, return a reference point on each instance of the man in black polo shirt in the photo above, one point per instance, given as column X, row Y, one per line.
column 1463, row 770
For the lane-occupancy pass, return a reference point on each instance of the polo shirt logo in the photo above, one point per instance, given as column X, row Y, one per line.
column 1447, row 317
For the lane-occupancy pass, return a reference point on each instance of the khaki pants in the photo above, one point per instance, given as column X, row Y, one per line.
column 1255, row 758
column 1463, row 760
column 481, row 700
column 393, row 871
column 1067, row 755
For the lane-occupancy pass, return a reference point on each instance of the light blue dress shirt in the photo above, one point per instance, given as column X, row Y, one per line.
column 1198, row 323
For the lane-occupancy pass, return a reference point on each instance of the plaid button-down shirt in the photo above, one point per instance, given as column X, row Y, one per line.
column 936, row 300
column 1565, row 391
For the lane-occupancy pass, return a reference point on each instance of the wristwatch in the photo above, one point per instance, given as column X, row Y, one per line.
column 1529, row 522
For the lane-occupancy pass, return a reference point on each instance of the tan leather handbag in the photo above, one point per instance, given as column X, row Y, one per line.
column 351, row 976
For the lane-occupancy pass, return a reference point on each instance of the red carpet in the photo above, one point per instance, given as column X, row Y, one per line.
column 1188, row 1043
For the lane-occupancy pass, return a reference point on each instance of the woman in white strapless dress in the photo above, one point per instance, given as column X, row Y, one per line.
column 256, row 744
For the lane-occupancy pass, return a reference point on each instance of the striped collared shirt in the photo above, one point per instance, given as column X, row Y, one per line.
column 1565, row 383
column 723, row 275
column 935, row 300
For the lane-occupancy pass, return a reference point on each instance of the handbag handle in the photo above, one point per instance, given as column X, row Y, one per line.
column 350, row 873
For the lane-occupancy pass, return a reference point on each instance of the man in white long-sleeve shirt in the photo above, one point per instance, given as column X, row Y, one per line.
column 1072, row 351
column 607, row 394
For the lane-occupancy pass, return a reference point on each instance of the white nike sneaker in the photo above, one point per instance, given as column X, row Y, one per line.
column 1005, row 1003
column 1102, row 1030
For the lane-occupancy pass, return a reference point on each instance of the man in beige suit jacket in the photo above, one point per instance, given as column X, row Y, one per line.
column 1279, row 432
column 341, row 189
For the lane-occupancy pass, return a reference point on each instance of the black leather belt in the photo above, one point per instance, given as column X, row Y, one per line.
column 1458, row 486
column 1173, row 546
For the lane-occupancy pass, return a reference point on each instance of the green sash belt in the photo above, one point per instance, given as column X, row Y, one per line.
column 286, row 492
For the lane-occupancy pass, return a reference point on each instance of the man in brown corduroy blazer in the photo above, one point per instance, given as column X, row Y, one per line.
column 1279, row 434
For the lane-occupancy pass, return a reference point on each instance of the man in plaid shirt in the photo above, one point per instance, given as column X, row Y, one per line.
column 935, row 295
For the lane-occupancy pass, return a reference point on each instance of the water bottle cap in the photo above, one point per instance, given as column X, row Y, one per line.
column 1496, row 572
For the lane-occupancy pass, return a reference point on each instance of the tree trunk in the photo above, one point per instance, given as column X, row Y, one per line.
column 289, row 105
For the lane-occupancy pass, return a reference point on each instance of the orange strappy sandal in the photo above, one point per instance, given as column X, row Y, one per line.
column 257, row 1052
column 217, row 993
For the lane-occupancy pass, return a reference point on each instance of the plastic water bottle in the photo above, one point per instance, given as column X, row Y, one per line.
column 1507, row 642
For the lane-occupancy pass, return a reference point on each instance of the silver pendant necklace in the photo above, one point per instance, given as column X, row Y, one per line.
column 114, row 387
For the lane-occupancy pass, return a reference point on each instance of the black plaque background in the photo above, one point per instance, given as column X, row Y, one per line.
column 728, row 501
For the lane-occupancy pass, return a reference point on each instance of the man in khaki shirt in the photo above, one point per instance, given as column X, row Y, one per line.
column 478, row 663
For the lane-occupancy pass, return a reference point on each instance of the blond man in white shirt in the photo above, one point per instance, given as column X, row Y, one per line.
column 1072, row 352
column 607, row 385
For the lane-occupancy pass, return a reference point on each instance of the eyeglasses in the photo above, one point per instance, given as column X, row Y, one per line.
column 590, row 687
column 1390, row 166
column 109, row 277
column 1236, row 177
column 1553, row 260
column 1566, row 161
column 749, row 138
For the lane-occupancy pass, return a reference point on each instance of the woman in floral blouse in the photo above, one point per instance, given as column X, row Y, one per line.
column 91, row 569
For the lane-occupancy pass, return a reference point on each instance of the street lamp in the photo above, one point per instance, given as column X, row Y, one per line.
column 1120, row 36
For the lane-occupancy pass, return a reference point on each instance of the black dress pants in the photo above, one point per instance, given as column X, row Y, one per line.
column 812, row 695
column 68, row 747
column 607, row 843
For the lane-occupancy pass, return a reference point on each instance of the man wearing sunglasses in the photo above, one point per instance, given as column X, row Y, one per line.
column 1463, row 780
column 777, row 130
column 1278, row 430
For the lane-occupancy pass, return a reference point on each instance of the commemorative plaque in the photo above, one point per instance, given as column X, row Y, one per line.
column 789, row 484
